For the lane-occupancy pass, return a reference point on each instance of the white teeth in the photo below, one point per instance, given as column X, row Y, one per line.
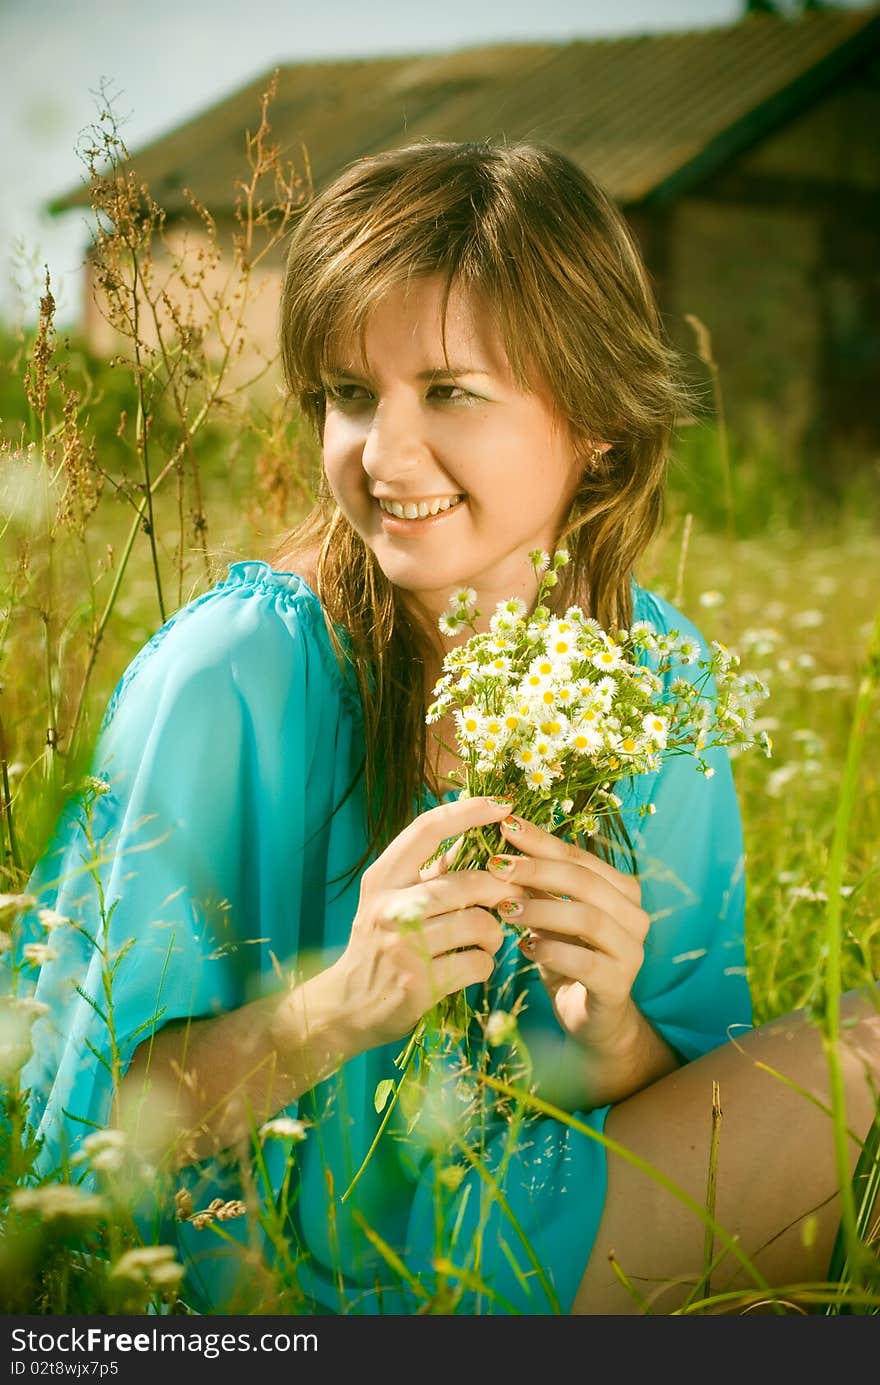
column 420, row 509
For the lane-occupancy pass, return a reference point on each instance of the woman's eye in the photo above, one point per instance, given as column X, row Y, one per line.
column 449, row 392
column 346, row 394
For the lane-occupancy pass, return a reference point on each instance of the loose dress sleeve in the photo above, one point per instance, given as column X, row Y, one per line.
column 196, row 873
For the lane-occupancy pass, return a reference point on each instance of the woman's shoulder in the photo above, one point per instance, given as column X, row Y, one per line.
column 652, row 606
column 256, row 623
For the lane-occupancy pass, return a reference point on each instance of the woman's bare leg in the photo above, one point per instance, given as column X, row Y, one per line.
column 776, row 1164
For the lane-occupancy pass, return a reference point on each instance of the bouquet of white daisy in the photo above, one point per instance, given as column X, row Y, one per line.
column 552, row 712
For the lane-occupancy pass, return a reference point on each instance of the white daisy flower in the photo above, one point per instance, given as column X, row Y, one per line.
column 534, row 685
column 469, row 722
column 553, row 726
column 525, row 757
column 584, row 740
column 688, row 651
column 464, row 597
column 451, row 623
column 656, row 728
column 607, row 658
column 590, row 718
column 514, row 608
column 497, row 667
column 488, row 748
column 541, row 776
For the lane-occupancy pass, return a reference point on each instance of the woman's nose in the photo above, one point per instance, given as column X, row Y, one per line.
column 395, row 442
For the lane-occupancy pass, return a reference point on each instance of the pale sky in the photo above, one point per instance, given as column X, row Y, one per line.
column 165, row 60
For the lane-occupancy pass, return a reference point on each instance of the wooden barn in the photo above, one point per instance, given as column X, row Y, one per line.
column 746, row 158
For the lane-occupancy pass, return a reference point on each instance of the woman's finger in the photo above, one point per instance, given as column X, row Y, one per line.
column 446, row 894
column 570, row 881
column 597, row 974
column 533, row 840
column 571, row 920
column 465, row 928
column 401, row 861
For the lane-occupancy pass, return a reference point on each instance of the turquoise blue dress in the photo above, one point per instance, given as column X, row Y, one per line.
column 227, row 751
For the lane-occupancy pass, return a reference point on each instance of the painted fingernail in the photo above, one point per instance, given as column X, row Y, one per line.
column 511, row 908
column 527, row 944
column 501, row 865
column 512, row 824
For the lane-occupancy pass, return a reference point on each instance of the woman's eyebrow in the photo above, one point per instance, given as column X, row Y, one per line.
column 431, row 374
column 451, row 370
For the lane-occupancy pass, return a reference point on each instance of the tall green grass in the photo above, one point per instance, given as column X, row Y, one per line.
column 127, row 488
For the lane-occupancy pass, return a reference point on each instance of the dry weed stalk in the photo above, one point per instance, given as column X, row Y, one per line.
column 176, row 296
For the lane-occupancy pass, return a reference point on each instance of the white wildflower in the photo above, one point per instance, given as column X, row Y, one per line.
column 607, row 658
column 104, row 1150
column 514, row 607
column 56, row 1201
column 465, row 597
column 407, row 910
column 807, row 620
column 656, row 727
column 151, row 1267
column 50, row 919
column 38, row 953
column 500, row 1028
column 469, row 723
column 451, row 623
column 11, row 905
column 688, row 651
column 284, row 1128
column 585, row 740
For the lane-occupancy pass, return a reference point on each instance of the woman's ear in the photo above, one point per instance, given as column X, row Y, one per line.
column 593, row 454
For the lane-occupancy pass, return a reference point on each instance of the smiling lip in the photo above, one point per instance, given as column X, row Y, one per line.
column 426, row 511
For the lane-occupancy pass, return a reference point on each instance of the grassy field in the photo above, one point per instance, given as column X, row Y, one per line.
column 785, row 578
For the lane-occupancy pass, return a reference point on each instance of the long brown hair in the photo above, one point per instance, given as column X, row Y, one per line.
column 543, row 248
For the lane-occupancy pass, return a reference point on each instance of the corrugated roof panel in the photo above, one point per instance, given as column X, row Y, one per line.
column 635, row 111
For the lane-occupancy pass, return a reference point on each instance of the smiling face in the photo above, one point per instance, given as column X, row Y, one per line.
column 449, row 471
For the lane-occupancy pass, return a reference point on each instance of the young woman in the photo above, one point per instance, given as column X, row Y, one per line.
column 472, row 334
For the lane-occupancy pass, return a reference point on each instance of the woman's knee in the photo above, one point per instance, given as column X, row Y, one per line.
column 758, row 1112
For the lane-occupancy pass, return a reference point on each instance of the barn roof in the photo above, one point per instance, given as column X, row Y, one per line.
column 647, row 116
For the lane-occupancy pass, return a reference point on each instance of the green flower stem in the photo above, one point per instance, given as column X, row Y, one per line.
column 404, row 1063
column 830, row 1014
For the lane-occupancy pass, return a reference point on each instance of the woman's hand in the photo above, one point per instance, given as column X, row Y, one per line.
column 419, row 934
column 586, row 935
